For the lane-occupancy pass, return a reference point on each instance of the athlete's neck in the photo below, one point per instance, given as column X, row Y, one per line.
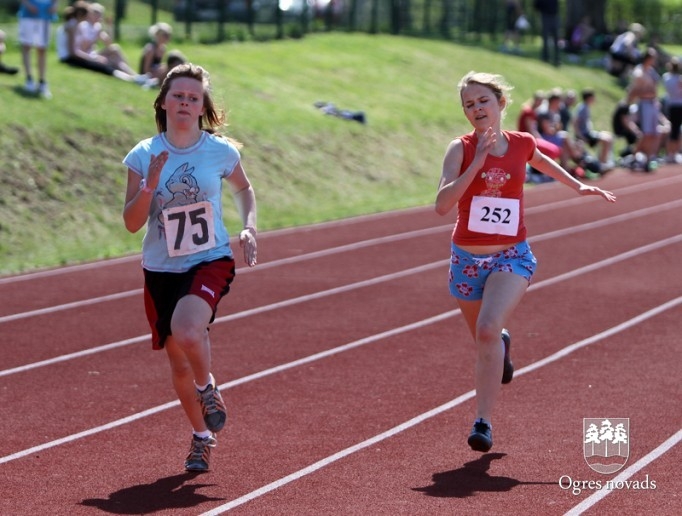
column 183, row 139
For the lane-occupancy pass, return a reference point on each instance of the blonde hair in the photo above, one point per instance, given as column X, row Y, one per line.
column 495, row 83
column 160, row 28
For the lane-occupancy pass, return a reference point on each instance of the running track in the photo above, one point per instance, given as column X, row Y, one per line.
column 348, row 374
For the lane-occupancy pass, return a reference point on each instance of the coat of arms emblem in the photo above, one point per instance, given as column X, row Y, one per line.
column 606, row 443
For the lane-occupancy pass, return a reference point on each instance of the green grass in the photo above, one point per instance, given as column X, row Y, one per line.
column 63, row 182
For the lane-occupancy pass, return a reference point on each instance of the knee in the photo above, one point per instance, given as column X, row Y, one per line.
column 488, row 336
column 188, row 336
column 181, row 369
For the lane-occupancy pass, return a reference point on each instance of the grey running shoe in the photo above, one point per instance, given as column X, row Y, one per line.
column 212, row 407
column 481, row 437
column 508, row 372
column 200, row 453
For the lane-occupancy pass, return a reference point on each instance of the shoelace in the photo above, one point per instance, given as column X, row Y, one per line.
column 481, row 427
column 199, row 445
column 208, row 399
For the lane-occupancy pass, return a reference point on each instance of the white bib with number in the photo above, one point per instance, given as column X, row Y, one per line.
column 494, row 215
column 189, row 229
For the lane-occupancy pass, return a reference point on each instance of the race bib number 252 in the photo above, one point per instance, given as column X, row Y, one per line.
column 189, row 229
column 494, row 215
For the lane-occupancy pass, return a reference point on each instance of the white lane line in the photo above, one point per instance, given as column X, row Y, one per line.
column 346, row 288
column 56, row 271
column 636, row 189
column 268, row 265
column 359, row 245
column 654, row 454
column 231, row 317
column 304, row 360
column 70, row 306
column 434, row 412
column 361, row 284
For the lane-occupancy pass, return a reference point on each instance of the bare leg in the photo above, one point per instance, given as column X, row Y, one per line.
column 649, row 145
column 605, row 147
column 189, row 327
column 190, row 354
column 41, row 63
column 116, row 59
column 486, row 318
column 26, row 59
column 183, row 382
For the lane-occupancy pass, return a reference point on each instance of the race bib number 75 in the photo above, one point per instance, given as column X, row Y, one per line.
column 494, row 215
column 189, row 229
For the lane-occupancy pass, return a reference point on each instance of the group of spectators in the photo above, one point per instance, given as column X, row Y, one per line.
column 561, row 122
column 648, row 118
column 650, row 114
column 82, row 41
column 563, row 131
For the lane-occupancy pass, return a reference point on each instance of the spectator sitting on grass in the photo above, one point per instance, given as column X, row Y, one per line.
column 624, row 53
column 551, row 129
column 624, row 125
column 175, row 58
column 528, row 123
column 69, row 53
column 581, row 37
column 92, row 40
column 585, row 132
column 152, row 62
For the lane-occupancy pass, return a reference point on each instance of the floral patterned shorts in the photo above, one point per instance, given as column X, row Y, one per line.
column 469, row 272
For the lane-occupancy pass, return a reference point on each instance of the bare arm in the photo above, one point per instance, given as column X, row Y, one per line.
column 147, row 57
column 452, row 183
column 245, row 200
column 138, row 201
column 552, row 169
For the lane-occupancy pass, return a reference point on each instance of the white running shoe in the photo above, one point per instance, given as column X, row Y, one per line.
column 44, row 91
column 30, row 86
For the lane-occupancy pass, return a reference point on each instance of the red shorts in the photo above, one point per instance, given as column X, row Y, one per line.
column 162, row 291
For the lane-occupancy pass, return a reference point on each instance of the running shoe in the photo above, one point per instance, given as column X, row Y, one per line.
column 481, row 437
column 30, row 86
column 200, row 453
column 44, row 91
column 508, row 371
column 212, row 407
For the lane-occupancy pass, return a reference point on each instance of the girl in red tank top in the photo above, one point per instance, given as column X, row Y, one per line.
column 483, row 175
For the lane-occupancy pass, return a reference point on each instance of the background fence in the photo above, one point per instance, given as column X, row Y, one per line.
column 458, row 20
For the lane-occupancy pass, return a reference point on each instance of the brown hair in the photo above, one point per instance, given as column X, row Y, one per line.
column 212, row 119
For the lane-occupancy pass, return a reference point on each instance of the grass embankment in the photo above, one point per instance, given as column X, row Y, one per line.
column 63, row 182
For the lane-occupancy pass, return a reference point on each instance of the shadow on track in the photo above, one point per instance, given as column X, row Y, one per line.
column 471, row 478
column 165, row 493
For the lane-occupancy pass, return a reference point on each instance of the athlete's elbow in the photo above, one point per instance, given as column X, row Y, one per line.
column 442, row 209
column 131, row 228
column 131, row 225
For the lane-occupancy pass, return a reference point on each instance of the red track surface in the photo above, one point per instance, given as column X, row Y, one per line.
column 348, row 373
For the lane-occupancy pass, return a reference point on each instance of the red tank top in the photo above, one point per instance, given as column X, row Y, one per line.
column 501, row 179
